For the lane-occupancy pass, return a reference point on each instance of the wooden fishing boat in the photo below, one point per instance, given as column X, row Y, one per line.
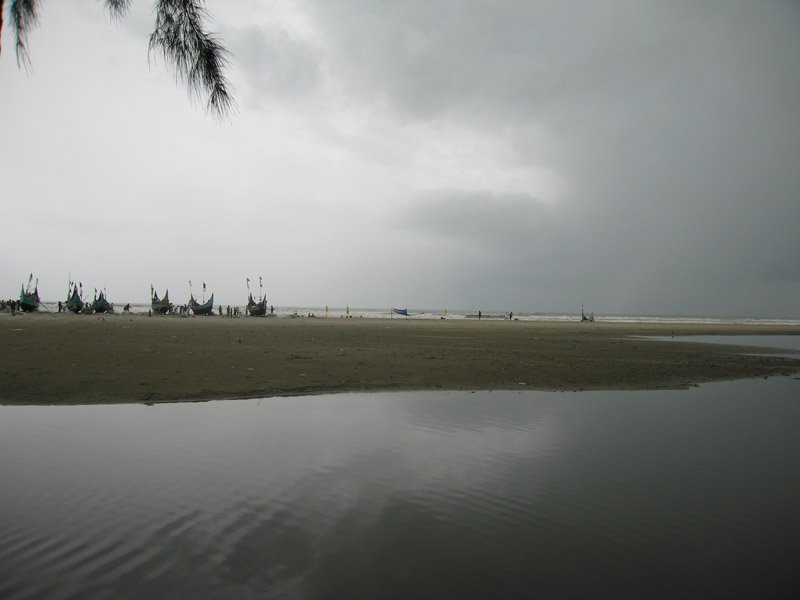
column 160, row 306
column 29, row 300
column 256, row 308
column 102, row 305
column 74, row 301
column 206, row 308
column 590, row 318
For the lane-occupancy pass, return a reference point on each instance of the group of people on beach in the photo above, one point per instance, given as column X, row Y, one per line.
column 182, row 309
column 12, row 304
column 236, row 311
column 509, row 315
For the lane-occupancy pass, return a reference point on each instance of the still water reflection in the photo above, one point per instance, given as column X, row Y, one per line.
column 609, row 494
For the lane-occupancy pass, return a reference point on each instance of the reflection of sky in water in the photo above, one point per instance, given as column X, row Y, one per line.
column 787, row 342
column 308, row 495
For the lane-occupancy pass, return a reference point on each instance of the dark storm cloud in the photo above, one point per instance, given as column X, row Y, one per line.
column 427, row 59
column 276, row 63
column 503, row 250
column 500, row 223
column 674, row 126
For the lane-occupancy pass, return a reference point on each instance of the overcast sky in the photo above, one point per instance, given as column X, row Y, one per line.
column 639, row 157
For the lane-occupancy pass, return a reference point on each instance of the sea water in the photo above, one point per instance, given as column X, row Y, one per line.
column 663, row 494
column 472, row 314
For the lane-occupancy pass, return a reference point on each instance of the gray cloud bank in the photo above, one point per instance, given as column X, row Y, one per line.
column 637, row 156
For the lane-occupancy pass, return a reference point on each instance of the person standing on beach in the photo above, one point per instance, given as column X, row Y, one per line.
column 479, row 315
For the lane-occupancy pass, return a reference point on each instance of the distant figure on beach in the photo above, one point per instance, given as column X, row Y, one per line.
column 479, row 315
column 127, row 308
column 59, row 306
column 510, row 316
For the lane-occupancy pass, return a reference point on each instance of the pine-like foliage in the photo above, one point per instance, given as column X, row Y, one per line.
column 180, row 38
column 196, row 55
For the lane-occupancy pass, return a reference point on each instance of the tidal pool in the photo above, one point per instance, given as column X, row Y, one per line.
column 404, row 495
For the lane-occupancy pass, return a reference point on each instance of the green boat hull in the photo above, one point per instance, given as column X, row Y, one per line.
column 206, row 308
column 160, row 307
column 29, row 301
column 75, row 304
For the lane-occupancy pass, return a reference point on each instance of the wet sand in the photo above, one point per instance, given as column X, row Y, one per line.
column 69, row 359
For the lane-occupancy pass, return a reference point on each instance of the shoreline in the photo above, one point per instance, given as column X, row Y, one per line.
column 107, row 359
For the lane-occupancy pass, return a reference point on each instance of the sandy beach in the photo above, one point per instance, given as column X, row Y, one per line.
column 69, row 359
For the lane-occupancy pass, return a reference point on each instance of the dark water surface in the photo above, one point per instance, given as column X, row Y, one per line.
column 778, row 342
column 666, row 494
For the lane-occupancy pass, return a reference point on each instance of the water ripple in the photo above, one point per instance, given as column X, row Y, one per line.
column 453, row 494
